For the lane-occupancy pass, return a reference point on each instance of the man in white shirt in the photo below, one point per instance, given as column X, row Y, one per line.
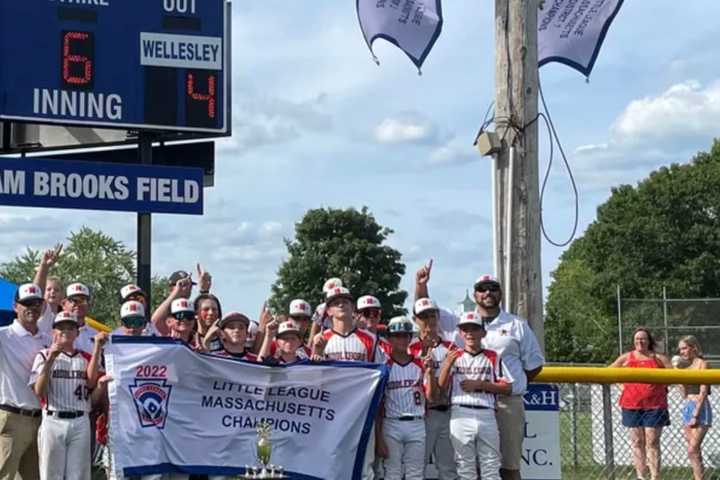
column 19, row 407
column 77, row 302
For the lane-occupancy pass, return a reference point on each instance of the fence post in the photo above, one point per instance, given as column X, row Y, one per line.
column 573, row 423
column 620, row 327
column 608, row 433
column 665, row 320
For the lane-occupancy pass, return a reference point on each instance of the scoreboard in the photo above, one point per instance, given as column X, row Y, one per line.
column 137, row 64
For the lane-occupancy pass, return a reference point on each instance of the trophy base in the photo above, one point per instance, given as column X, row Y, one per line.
column 262, row 474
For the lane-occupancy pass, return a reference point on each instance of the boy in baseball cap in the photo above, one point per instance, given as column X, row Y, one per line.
column 287, row 341
column 63, row 377
column 132, row 319
column 133, row 292
column 232, row 330
column 400, row 429
column 77, row 302
column 182, row 322
column 320, row 319
column 475, row 376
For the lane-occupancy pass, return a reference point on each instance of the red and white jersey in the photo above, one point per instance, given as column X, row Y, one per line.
column 439, row 352
column 386, row 348
column 484, row 365
column 67, row 389
column 404, row 392
column 303, row 352
column 246, row 355
column 357, row 346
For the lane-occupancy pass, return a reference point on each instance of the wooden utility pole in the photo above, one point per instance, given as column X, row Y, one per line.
column 517, row 198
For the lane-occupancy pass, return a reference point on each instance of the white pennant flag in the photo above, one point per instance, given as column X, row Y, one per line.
column 412, row 25
column 572, row 31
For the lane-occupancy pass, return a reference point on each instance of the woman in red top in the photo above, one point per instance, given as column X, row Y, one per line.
column 644, row 405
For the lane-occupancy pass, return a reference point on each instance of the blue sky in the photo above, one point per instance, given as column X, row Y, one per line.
column 318, row 124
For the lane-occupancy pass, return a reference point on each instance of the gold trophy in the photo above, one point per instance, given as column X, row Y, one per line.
column 263, row 452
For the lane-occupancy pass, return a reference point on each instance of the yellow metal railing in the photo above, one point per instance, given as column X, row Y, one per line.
column 623, row 375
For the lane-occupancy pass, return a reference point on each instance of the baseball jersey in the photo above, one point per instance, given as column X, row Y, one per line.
column 357, row 346
column 18, row 349
column 511, row 337
column 404, row 393
column 245, row 355
column 438, row 353
column 484, row 365
column 67, row 389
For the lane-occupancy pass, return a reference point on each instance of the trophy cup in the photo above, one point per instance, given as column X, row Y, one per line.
column 263, row 451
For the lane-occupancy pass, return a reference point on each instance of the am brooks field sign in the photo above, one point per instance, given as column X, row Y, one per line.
column 155, row 64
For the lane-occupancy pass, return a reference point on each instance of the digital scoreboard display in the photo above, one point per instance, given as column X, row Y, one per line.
column 138, row 64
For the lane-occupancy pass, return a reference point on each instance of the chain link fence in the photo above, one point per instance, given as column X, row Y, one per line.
column 669, row 319
column 595, row 445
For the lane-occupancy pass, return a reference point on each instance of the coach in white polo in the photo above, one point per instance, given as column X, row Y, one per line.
column 511, row 337
column 19, row 407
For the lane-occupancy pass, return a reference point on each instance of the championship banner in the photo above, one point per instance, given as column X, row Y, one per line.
column 412, row 25
column 173, row 410
column 572, row 31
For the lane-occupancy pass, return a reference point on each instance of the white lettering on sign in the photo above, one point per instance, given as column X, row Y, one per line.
column 180, row 51
column 167, row 190
column 79, row 104
column 74, row 185
column 179, row 6
column 12, row 182
column 101, row 3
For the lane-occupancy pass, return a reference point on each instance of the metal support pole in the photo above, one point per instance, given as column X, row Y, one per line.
column 144, row 226
column 573, row 423
column 665, row 321
column 608, row 433
column 620, row 325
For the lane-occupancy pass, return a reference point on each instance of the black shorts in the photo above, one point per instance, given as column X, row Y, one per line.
column 653, row 418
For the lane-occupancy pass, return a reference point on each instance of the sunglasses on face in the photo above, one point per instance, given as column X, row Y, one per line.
column 31, row 303
column 78, row 300
column 370, row 313
column 134, row 322
column 487, row 288
column 188, row 317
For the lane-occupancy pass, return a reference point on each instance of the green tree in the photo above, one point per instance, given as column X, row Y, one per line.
column 347, row 244
column 102, row 263
column 664, row 232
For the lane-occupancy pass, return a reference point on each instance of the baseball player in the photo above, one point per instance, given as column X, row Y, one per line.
column 232, row 330
column 400, row 432
column 475, row 376
column 63, row 377
column 320, row 319
column 133, row 292
column 299, row 314
column 437, row 420
column 51, row 286
column 182, row 323
column 288, row 345
column 77, row 303
column 345, row 342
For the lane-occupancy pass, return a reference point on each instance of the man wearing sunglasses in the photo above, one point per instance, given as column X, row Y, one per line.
column 511, row 337
column 133, row 321
column 77, row 302
column 19, row 407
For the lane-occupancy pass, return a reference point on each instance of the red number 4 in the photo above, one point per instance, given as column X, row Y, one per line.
column 208, row 96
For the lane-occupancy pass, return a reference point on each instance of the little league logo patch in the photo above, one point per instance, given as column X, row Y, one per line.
column 151, row 401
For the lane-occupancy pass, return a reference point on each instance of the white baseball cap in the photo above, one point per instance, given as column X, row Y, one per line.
column 288, row 327
column 181, row 305
column 400, row 324
column 486, row 279
column 131, row 309
column 28, row 291
column 470, row 318
column 77, row 288
column 368, row 301
column 332, row 283
column 232, row 316
column 130, row 289
column 300, row 308
column 337, row 292
column 65, row 317
column 424, row 305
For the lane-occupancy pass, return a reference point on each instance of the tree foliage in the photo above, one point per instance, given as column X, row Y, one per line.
column 347, row 244
column 664, row 232
column 102, row 263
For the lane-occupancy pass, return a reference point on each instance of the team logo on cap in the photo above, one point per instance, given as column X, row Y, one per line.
column 32, row 290
column 151, row 397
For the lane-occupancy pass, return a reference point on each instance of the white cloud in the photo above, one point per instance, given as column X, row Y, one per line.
column 405, row 128
column 453, row 152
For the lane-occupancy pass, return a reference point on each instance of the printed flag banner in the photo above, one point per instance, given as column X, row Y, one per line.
column 176, row 411
column 412, row 25
column 572, row 31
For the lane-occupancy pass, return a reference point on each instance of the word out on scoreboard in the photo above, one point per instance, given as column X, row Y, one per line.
column 141, row 64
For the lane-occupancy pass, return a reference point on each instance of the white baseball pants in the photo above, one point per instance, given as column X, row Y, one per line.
column 475, row 438
column 405, row 442
column 368, row 471
column 64, row 448
column 437, row 444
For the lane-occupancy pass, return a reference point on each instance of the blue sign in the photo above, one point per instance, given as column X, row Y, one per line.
column 51, row 183
column 145, row 64
column 542, row 396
